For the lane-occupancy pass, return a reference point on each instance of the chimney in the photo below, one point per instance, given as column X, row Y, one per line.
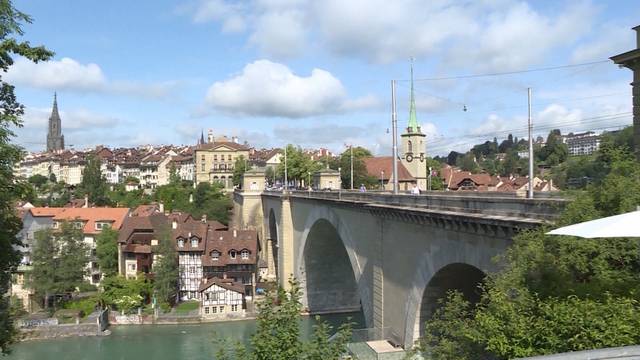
column 235, row 233
column 86, row 201
column 174, row 224
column 204, row 218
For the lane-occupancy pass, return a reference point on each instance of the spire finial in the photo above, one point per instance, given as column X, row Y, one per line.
column 413, row 119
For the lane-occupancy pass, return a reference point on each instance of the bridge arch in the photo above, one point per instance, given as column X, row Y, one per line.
column 462, row 268
column 462, row 277
column 273, row 245
column 329, row 270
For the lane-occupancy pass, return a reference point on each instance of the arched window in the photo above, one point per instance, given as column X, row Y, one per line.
column 232, row 254
column 409, row 146
column 194, row 242
column 215, row 255
column 180, row 242
column 244, row 254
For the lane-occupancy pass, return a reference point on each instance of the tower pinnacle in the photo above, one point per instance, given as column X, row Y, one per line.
column 55, row 139
column 412, row 126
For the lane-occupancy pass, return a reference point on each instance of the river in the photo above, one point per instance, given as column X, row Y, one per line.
column 154, row 342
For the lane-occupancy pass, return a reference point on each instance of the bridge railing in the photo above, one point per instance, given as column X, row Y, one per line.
column 463, row 202
column 620, row 353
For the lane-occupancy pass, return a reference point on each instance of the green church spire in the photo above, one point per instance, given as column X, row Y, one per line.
column 413, row 126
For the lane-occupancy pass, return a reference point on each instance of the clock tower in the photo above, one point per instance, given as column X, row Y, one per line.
column 414, row 144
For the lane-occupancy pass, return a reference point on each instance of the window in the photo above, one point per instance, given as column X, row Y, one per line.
column 244, row 254
column 206, row 310
column 215, row 157
column 56, row 224
column 132, row 267
column 229, row 157
column 101, row 225
column 215, row 255
column 221, row 309
column 409, row 146
column 214, row 309
column 232, row 254
column 234, row 308
column 202, row 157
column 203, row 167
column 180, row 243
column 194, row 242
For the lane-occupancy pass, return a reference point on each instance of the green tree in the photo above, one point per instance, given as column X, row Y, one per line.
column 210, row 200
column 94, row 183
column 277, row 336
column 360, row 173
column 299, row 165
column 239, row 168
column 107, row 251
column 468, row 162
column 123, row 293
column 38, row 180
column 59, row 261
column 269, row 175
column 165, row 270
column 11, row 111
column 555, row 293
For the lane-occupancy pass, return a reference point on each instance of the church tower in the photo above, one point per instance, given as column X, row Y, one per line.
column 413, row 144
column 55, row 139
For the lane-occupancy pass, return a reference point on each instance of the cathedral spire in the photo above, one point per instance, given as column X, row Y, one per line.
column 413, row 126
column 55, row 139
column 201, row 137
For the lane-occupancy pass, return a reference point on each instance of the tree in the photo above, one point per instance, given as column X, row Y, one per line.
column 94, row 183
column 165, row 270
column 239, row 168
column 123, row 293
column 537, row 304
column 59, row 261
column 210, row 200
column 277, row 336
column 360, row 173
column 38, row 180
column 299, row 165
column 269, row 174
column 107, row 251
column 11, row 21
column 467, row 162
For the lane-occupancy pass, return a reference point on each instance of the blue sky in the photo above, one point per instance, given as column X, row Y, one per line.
column 317, row 73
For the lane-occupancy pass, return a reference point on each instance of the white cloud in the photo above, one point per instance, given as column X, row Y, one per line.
column 69, row 74
column 265, row 88
column 60, row 74
column 499, row 34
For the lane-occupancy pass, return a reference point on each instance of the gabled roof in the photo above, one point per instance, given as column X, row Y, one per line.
column 223, row 283
column 375, row 166
column 92, row 215
column 225, row 241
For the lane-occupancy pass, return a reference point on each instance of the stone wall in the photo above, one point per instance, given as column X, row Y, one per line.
column 60, row 331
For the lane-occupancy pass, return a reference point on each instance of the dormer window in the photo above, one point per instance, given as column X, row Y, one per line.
column 244, row 254
column 215, row 255
column 101, row 225
column 232, row 254
column 56, row 224
column 194, row 242
column 180, row 242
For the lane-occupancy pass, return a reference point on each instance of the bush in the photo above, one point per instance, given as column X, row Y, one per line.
column 187, row 307
column 84, row 306
column 87, row 287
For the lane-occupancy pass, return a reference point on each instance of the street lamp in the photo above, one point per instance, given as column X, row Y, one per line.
column 382, row 180
column 351, row 149
column 309, row 181
column 339, row 182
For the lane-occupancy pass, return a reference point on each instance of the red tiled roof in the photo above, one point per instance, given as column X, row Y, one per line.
column 375, row 166
column 90, row 216
column 225, row 241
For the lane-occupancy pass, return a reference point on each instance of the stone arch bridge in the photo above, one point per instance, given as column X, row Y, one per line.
column 393, row 256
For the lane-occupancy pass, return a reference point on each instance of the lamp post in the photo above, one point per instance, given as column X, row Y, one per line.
column 286, row 182
column 382, row 180
column 351, row 148
column 339, row 182
column 309, row 181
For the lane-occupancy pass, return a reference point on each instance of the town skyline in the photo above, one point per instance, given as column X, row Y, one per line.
column 325, row 85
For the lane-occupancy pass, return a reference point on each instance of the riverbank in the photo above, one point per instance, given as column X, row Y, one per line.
column 61, row 331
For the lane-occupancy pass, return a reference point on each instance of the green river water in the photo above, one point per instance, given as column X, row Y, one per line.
column 153, row 342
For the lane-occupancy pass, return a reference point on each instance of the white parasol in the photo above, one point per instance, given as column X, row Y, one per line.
column 624, row 225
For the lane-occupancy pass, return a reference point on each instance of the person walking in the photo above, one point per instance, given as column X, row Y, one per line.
column 362, row 188
column 415, row 190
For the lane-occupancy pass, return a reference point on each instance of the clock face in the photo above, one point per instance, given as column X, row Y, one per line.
column 409, row 158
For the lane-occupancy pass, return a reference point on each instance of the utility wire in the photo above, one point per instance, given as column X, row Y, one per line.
column 471, row 76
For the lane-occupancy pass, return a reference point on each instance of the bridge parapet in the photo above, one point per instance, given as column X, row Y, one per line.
column 542, row 209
